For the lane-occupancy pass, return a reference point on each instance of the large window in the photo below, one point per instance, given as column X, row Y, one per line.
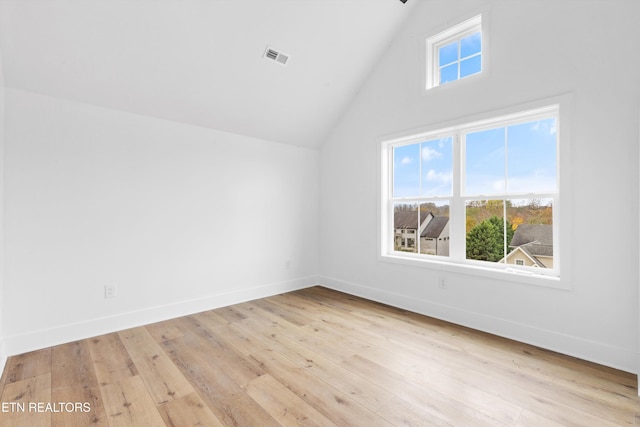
column 455, row 53
column 482, row 194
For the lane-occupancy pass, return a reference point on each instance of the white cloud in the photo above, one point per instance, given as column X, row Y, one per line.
column 535, row 182
column 434, row 176
column 498, row 186
column 406, row 160
column 521, row 184
column 546, row 126
column 430, row 154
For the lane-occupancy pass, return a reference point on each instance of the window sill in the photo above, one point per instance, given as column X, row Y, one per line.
column 506, row 275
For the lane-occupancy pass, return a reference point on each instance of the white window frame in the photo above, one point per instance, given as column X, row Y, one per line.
column 456, row 262
column 457, row 32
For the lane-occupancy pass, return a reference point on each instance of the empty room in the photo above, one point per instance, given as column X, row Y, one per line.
column 319, row 212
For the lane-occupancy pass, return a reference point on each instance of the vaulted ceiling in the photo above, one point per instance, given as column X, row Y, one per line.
column 202, row 61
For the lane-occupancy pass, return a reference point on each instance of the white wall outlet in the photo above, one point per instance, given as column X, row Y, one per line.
column 287, row 265
column 110, row 290
column 442, row 283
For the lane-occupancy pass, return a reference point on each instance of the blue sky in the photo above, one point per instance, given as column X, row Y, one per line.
column 425, row 169
column 465, row 54
column 530, row 151
column 433, row 160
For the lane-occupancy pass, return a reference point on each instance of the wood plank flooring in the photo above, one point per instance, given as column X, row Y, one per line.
column 313, row 357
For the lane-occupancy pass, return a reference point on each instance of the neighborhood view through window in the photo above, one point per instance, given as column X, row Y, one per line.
column 497, row 184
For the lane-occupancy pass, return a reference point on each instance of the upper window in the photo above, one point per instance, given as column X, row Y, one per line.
column 455, row 53
column 482, row 193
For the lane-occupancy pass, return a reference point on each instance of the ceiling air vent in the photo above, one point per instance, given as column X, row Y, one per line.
column 279, row 57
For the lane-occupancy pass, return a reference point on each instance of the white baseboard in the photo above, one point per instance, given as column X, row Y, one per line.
column 593, row 351
column 44, row 338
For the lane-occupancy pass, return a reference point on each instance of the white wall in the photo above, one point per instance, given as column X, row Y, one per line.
column 182, row 218
column 535, row 50
column 3, row 357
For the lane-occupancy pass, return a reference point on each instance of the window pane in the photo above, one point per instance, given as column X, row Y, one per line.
column 434, row 230
column 484, row 162
column 449, row 47
column 449, row 73
column 532, row 240
column 470, row 66
column 506, row 178
column 532, row 157
column 470, row 45
column 448, row 54
column 406, row 170
column 405, row 227
column 437, row 167
column 486, row 230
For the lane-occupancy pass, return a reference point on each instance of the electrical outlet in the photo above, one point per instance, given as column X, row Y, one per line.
column 442, row 283
column 110, row 290
column 287, row 265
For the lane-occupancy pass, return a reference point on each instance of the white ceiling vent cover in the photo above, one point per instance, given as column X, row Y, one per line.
column 279, row 57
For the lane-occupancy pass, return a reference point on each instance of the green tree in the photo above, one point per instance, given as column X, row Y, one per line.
column 497, row 222
column 486, row 242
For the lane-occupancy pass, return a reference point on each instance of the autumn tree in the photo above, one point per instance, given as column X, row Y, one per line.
column 516, row 221
column 471, row 222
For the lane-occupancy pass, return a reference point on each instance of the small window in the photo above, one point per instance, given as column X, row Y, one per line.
column 455, row 53
column 519, row 262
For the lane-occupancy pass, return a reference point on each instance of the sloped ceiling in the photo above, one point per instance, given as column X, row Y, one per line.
column 201, row 61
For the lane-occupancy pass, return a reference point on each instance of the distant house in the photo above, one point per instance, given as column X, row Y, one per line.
column 434, row 239
column 433, row 232
column 532, row 246
column 407, row 228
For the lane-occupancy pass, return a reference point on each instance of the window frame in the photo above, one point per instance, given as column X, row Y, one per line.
column 451, row 34
column 558, row 277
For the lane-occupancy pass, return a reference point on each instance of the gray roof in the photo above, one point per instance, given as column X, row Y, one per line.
column 534, row 251
column 408, row 219
column 541, row 234
column 535, row 260
column 434, row 228
column 535, row 240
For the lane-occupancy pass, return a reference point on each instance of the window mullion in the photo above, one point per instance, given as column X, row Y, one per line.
column 417, row 240
column 459, row 56
column 417, row 235
column 505, row 244
column 390, row 230
column 457, row 209
column 420, row 192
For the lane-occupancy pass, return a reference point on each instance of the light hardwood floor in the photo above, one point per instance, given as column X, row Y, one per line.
column 313, row 357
